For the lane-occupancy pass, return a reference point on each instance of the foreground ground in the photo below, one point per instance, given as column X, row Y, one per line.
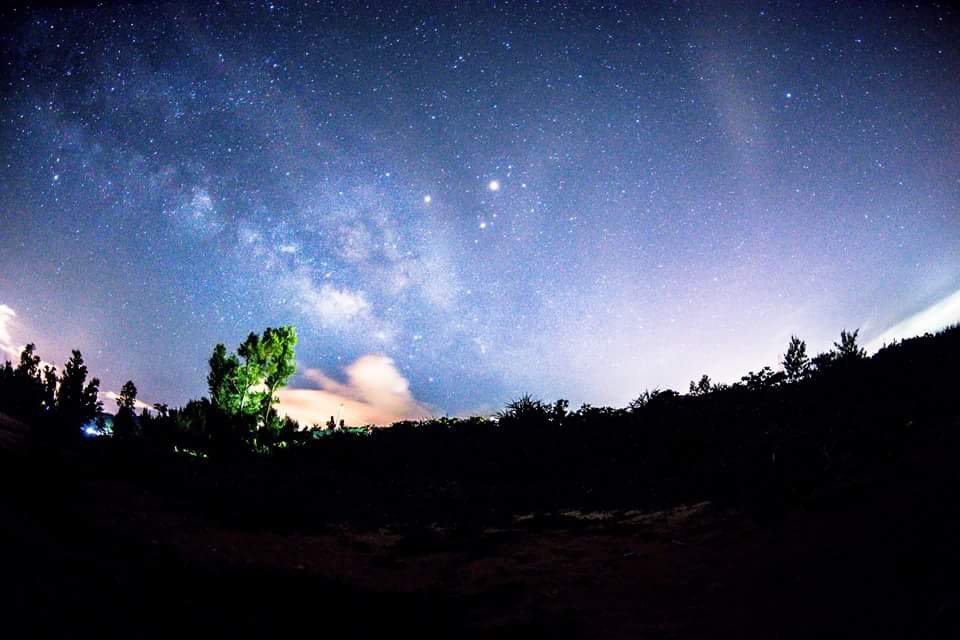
column 87, row 554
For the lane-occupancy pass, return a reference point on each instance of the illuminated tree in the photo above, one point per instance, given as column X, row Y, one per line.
column 244, row 384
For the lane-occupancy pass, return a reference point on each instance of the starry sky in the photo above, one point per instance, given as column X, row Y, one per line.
column 456, row 205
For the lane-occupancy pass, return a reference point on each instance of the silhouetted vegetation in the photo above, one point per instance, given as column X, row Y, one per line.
column 56, row 406
column 125, row 424
column 772, row 436
column 796, row 364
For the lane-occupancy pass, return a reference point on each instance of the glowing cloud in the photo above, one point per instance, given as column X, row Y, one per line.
column 329, row 306
column 6, row 341
column 375, row 393
column 935, row 317
column 113, row 395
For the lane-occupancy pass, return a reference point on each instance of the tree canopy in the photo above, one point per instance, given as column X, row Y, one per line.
column 245, row 383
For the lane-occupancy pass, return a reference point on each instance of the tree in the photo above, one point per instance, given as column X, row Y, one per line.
column 763, row 379
column 796, row 364
column 848, row 349
column 77, row 400
column 125, row 422
column 277, row 364
column 29, row 366
column 50, row 382
column 27, row 391
column 223, row 380
column 244, row 384
column 701, row 388
column 525, row 411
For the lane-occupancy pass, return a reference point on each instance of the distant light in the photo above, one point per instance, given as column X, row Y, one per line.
column 789, row 95
column 483, row 225
column 427, row 199
column 494, row 185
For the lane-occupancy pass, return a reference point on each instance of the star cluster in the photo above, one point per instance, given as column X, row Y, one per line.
column 566, row 199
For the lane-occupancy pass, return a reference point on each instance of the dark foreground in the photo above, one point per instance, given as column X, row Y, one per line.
column 86, row 553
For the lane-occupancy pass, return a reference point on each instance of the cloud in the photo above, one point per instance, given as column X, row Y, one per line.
column 327, row 305
column 7, row 315
column 935, row 317
column 375, row 393
column 113, row 395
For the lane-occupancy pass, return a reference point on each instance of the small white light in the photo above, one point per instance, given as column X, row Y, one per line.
column 494, row 185
column 427, row 199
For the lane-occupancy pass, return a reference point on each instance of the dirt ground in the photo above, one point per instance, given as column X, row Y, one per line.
column 101, row 557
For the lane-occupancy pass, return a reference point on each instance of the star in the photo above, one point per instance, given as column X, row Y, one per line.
column 494, row 185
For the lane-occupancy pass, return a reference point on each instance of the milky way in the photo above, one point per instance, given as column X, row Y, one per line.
column 485, row 200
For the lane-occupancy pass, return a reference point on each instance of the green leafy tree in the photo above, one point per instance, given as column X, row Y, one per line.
column 245, row 384
column 223, row 380
column 77, row 400
column 276, row 363
column 796, row 364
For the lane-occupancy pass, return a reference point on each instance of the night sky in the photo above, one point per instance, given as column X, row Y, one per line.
column 457, row 206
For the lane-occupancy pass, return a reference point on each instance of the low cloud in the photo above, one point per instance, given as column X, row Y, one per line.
column 375, row 392
column 937, row 316
column 112, row 396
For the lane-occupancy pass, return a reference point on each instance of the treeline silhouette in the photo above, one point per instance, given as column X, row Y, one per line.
column 773, row 436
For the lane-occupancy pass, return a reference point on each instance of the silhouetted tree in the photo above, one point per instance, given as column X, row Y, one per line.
column 848, row 349
column 701, row 388
column 50, row 382
column 125, row 422
column 29, row 366
column 77, row 400
column 525, row 411
column 27, row 391
column 796, row 364
column 763, row 379
column 560, row 410
column 823, row 361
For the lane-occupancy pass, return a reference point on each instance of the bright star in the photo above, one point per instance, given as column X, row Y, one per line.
column 494, row 185
column 427, row 199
